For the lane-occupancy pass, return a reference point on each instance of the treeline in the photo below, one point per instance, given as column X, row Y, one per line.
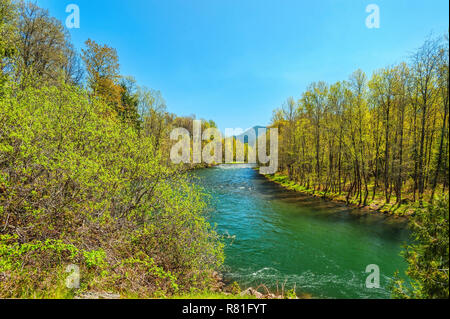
column 37, row 52
column 85, row 178
column 380, row 140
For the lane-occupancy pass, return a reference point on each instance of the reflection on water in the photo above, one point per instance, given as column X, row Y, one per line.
column 276, row 236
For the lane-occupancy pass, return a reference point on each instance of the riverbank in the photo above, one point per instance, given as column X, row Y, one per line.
column 377, row 205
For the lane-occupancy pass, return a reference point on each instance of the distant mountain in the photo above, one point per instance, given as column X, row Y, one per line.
column 248, row 136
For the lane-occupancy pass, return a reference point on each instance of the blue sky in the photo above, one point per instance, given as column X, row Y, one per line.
column 234, row 61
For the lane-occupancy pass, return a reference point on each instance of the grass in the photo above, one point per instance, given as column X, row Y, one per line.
column 378, row 204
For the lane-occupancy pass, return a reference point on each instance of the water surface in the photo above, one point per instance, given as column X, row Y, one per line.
column 274, row 236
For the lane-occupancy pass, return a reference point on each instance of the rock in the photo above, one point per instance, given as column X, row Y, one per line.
column 252, row 292
column 97, row 295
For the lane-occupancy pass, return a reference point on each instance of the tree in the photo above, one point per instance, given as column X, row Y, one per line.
column 315, row 102
column 44, row 49
column 154, row 116
column 102, row 67
column 428, row 258
column 443, row 87
column 130, row 102
column 383, row 85
column 337, row 100
column 8, row 36
column 389, row 134
column 401, row 104
column 287, row 119
column 82, row 181
column 358, row 105
column 424, row 67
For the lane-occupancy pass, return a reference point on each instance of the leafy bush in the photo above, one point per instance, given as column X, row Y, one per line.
column 428, row 257
column 77, row 185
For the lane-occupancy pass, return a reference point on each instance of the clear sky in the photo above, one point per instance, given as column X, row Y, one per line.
column 234, row 61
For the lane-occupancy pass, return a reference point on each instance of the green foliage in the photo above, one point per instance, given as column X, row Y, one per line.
column 428, row 257
column 94, row 258
column 34, row 269
column 13, row 253
column 381, row 142
column 79, row 185
column 152, row 269
column 84, row 173
column 130, row 101
column 235, row 288
column 290, row 294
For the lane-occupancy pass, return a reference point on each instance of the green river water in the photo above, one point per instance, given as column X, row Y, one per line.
column 277, row 236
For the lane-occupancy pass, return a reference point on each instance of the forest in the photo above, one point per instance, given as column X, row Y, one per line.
column 85, row 176
column 381, row 140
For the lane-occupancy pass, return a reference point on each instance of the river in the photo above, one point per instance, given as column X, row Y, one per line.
column 274, row 236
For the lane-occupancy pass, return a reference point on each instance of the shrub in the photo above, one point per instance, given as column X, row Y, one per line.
column 428, row 257
column 77, row 185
